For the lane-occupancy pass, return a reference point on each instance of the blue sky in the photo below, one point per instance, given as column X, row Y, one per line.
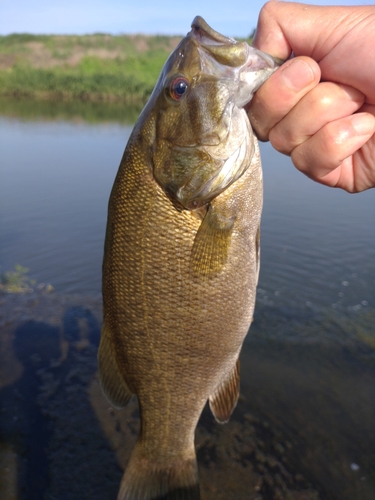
column 230, row 17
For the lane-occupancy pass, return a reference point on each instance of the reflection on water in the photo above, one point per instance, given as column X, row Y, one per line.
column 304, row 427
column 90, row 112
column 56, row 180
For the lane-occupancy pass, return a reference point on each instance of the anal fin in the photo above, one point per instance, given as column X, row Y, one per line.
column 211, row 244
column 111, row 380
column 224, row 399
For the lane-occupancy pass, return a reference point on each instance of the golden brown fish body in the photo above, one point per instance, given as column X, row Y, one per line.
column 182, row 257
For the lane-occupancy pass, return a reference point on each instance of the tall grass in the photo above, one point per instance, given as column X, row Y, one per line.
column 101, row 83
column 129, row 76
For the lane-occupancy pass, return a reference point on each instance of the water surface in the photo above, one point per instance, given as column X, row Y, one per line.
column 318, row 244
column 308, row 364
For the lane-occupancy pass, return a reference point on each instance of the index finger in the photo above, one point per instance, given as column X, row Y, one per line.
column 281, row 92
column 286, row 27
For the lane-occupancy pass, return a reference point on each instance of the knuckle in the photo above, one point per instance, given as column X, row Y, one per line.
column 335, row 137
column 329, row 97
column 266, row 11
column 324, row 96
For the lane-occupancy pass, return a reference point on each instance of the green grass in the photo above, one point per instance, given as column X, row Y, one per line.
column 61, row 83
column 95, row 67
column 93, row 78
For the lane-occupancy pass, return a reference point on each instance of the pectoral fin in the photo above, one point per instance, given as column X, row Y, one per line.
column 212, row 242
column 224, row 399
column 111, row 380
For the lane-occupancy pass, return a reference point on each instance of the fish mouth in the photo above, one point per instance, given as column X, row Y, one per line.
column 224, row 50
column 205, row 34
column 231, row 59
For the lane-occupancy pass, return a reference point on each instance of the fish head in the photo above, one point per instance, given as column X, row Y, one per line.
column 203, row 140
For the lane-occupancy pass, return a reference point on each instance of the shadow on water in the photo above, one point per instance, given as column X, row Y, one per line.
column 49, row 429
column 23, row 425
column 76, row 110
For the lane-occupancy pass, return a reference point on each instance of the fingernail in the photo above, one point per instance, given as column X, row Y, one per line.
column 363, row 124
column 297, row 75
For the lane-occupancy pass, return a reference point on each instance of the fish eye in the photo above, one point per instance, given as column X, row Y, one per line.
column 178, row 87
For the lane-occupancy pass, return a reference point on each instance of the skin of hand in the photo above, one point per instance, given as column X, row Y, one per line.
column 319, row 106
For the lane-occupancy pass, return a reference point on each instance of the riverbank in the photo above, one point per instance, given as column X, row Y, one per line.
column 92, row 67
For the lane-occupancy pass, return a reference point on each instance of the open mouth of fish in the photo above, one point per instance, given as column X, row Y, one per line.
column 232, row 59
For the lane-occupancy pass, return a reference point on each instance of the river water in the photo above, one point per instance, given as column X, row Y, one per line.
column 318, row 244
column 308, row 364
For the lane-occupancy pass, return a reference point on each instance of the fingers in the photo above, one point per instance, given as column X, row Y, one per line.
column 325, row 103
column 329, row 156
column 281, row 92
column 325, row 126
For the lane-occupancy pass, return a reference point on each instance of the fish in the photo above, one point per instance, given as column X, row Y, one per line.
column 181, row 257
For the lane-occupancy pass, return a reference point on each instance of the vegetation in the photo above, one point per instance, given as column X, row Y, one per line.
column 95, row 67
column 91, row 67
column 17, row 281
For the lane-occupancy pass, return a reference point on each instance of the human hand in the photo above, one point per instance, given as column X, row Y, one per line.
column 319, row 107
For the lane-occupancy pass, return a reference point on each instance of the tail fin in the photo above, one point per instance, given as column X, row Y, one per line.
column 146, row 480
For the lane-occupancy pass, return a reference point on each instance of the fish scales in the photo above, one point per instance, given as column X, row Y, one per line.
column 180, row 271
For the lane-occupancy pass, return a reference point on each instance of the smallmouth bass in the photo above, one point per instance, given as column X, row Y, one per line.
column 181, row 258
